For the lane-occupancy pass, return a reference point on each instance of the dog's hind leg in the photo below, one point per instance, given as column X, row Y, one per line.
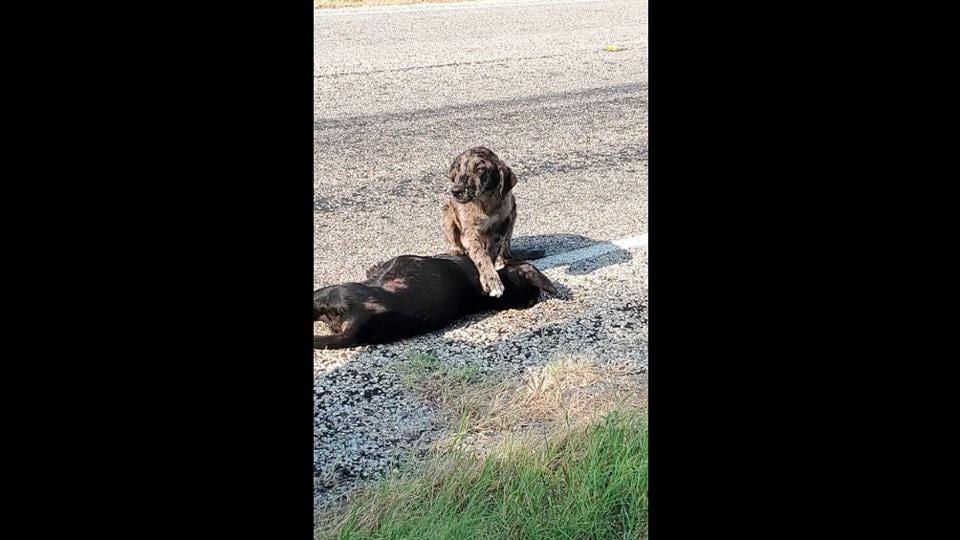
column 381, row 272
column 335, row 341
column 375, row 271
column 351, row 332
column 506, row 254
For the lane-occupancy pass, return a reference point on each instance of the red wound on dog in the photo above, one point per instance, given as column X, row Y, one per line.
column 395, row 284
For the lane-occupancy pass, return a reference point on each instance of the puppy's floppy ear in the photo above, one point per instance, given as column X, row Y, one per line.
column 532, row 275
column 507, row 178
column 452, row 171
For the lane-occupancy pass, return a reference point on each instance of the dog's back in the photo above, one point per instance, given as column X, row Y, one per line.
column 410, row 295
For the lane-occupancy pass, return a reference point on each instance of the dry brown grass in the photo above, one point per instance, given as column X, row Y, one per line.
column 492, row 416
column 568, row 392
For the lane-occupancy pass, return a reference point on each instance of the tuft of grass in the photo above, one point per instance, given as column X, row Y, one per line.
column 423, row 373
column 588, row 482
column 417, row 370
column 466, row 374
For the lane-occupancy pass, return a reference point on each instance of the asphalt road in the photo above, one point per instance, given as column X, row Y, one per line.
column 400, row 91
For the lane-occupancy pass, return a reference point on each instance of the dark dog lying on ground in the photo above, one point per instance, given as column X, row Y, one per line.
column 410, row 295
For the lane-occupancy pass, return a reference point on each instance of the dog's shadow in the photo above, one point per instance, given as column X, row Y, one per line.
column 581, row 255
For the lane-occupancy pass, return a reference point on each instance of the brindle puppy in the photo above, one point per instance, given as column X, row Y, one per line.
column 478, row 218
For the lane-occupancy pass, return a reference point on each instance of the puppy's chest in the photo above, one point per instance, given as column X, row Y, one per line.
column 485, row 222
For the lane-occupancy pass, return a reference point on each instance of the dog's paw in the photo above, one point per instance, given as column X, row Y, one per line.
column 494, row 288
column 457, row 252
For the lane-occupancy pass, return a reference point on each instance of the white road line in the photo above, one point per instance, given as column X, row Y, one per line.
column 568, row 257
column 476, row 4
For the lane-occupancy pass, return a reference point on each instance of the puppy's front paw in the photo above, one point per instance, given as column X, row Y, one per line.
column 493, row 286
column 457, row 252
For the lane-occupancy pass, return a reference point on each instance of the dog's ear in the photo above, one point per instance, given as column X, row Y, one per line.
column 534, row 276
column 507, row 178
column 452, row 171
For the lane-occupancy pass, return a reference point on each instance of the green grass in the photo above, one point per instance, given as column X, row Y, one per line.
column 589, row 483
column 424, row 372
column 417, row 369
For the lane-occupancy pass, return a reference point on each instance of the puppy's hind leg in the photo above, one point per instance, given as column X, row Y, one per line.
column 506, row 254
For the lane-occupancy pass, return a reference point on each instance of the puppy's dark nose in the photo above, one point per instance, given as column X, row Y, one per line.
column 457, row 191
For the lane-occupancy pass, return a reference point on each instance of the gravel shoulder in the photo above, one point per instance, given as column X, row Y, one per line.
column 368, row 422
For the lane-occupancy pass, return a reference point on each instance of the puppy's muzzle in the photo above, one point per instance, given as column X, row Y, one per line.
column 462, row 194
